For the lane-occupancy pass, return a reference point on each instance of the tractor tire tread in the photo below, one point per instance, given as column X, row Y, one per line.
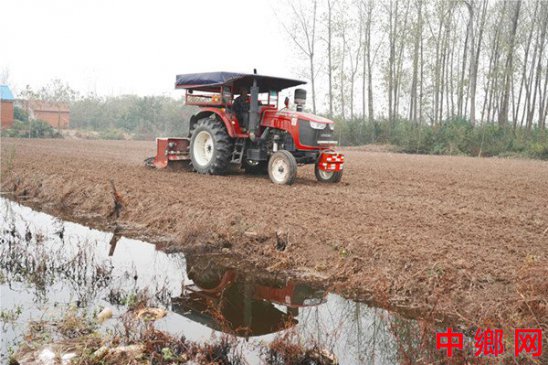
column 223, row 146
column 335, row 178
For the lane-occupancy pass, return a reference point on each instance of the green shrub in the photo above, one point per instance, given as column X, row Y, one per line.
column 452, row 137
column 112, row 133
column 20, row 114
column 538, row 150
column 34, row 129
column 41, row 129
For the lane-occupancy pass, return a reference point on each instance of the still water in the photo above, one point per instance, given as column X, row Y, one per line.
column 48, row 265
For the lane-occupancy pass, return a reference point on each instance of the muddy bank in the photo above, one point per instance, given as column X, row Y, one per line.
column 443, row 237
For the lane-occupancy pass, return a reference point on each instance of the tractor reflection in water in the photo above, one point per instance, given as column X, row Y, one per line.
column 230, row 301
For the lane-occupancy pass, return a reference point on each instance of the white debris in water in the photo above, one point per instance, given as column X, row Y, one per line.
column 151, row 314
column 47, row 357
column 104, row 315
column 65, row 359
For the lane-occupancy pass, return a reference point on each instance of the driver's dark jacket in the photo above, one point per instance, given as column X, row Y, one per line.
column 241, row 108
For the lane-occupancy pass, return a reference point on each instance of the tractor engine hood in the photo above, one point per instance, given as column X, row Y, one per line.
column 305, row 116
column 314, row 131
column 313, row 117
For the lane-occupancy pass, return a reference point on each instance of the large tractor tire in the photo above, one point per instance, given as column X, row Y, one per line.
column 210, row 147
column 327, row 177
column 282, row 168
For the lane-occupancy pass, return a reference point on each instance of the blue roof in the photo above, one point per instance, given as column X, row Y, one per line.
column 5, row 93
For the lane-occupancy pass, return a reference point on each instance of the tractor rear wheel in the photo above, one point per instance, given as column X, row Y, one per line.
column 210, row 147
column 282, row 168
column 326, row 176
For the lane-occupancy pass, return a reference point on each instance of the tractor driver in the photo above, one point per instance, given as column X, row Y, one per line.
column 241, row 107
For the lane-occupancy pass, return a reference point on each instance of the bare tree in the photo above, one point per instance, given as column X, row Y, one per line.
column 393, row 21
column 474, row 57
column 354, row 50
column 509, row 69
column 433, row 56
column 330, row 53
column 515, row 116
column 302, row 31
column 367, row 61
column 401, row 34
column 416, row 52
column 532, row 82
column 467, row 39
column 342, row 74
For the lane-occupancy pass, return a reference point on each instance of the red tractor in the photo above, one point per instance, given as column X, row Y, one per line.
column 250, row 131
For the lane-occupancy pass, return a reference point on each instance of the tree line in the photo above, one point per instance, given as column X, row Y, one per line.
column 113, row 117
column 425, row 61
column 428, row 76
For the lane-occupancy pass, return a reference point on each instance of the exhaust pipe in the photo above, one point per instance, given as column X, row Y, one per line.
column 300, row 99
column 254, row 111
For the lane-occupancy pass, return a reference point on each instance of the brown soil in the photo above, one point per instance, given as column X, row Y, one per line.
column 454, row 238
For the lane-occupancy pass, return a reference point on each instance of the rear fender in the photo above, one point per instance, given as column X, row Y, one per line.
column 221, row 115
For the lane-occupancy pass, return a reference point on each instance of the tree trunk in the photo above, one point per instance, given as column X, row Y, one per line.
column 342, row 76
column 354, row 65
column 438, row 70
column 364, row 74
column 474, row 58
column 401, row 47
column 302, row 19
column 460, row 98
column 329, row 55
column 492, row 72
column 392, row 40
column 543, row 102
column 544, row 109
column 371, row 114
column 312, row 44
column 509, row 69
column 418, row 40
column 515, row 117
column 540, row 47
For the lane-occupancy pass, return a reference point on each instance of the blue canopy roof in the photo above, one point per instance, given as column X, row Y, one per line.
column 211, row 81
column 5, row 93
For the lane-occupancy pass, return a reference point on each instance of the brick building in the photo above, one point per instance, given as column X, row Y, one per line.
column 55, row 114
column 6, row 107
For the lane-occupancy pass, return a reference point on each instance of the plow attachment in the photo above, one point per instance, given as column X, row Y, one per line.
column 169, row 149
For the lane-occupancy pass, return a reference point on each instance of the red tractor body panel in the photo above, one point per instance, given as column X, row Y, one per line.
column 289, row 121
column 229, row 120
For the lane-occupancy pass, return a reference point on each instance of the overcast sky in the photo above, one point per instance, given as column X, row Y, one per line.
column 129, row 46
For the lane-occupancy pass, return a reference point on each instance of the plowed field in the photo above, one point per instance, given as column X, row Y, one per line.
column 456, row 238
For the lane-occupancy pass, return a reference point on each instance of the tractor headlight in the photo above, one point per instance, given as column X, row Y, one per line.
column 331, row 126
column 317, row 125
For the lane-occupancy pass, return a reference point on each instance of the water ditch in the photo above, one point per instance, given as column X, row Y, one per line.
column 48, row 265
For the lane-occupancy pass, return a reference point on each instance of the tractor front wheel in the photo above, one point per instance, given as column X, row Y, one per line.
column 210, row 147
column 282, row 168
column 327, row 176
